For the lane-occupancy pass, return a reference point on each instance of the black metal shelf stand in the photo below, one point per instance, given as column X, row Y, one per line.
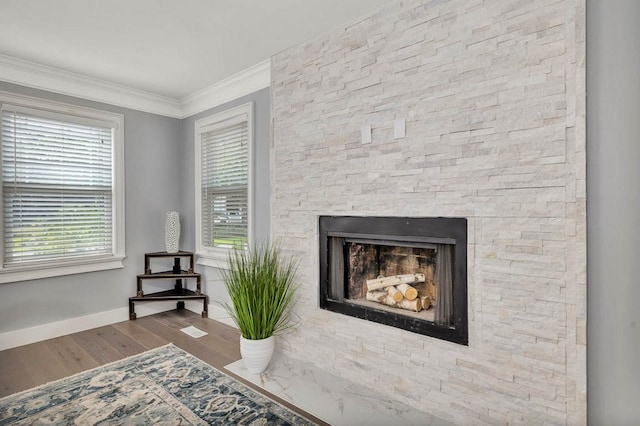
column 179, row 292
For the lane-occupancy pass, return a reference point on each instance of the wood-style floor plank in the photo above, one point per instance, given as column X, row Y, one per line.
column 12, row 373
column 39, row 363
column 122, row 343
column 96, row 347
column 74, row 358
column 43, row 366
column 176, row 319
column 221, row 337
column 185, row 342
column 135, row 331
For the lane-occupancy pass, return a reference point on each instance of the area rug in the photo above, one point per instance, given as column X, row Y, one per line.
column 162, row 386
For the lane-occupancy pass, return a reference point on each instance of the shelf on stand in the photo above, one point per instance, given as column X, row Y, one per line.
column 179, row 292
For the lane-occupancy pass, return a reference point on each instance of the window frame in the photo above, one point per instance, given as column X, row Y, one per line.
column 210, row 256
column 61, row 266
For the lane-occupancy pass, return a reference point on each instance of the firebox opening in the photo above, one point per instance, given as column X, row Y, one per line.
column 409, row 269
column 404, row 272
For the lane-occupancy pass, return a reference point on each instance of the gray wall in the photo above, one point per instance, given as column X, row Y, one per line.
column 613, row 211
column 159, row 177
column 153, row 187
column 212, row 284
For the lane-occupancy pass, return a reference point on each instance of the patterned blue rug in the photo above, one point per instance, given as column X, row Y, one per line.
column 162, row 386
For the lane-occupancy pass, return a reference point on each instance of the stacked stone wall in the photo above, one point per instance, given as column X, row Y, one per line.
column 493, row 97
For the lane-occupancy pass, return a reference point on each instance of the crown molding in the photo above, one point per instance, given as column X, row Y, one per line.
column 247, row 81
column 31, row 74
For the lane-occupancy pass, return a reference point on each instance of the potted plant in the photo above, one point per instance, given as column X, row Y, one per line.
column 261, row 287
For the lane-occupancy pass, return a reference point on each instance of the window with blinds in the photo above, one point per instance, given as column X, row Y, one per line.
column 57, row 186
column 223, row 143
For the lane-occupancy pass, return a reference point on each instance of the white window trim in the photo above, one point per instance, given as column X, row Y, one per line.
column 40, row 270
column 217, row 257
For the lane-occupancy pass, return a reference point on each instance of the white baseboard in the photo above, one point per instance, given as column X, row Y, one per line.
column 42, row 332
column 38, row 333
column 216, row 312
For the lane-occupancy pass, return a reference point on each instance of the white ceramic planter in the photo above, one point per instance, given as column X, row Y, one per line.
column 256, row 354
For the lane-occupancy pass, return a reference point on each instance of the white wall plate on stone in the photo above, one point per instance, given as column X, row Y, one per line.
column 365, row 132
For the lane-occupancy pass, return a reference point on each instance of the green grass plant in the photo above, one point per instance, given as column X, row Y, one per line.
column 261, row 286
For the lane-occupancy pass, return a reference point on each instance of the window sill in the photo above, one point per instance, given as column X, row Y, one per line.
column 49, row 270
column 212, row 260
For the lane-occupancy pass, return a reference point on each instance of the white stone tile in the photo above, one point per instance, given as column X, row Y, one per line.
column 330, row 398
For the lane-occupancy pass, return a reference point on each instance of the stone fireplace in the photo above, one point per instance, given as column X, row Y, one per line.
column 493, row 101
column 409, row 273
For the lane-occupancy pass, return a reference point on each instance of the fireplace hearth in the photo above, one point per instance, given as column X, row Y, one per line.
column 409, row 273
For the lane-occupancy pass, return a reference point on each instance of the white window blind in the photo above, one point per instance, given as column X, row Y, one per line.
column 57, row 186
column 224, row 186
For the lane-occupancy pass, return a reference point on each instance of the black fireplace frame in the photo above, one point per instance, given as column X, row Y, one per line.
column 419, row 229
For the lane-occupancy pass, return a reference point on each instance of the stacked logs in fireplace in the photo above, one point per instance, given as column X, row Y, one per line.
column 404, row 291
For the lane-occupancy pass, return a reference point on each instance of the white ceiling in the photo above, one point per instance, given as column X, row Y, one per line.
column 171, row 48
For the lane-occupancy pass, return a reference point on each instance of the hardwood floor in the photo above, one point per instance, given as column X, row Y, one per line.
column 31, row 365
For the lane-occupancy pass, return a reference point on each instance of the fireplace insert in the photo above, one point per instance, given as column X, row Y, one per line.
column 409, row 273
